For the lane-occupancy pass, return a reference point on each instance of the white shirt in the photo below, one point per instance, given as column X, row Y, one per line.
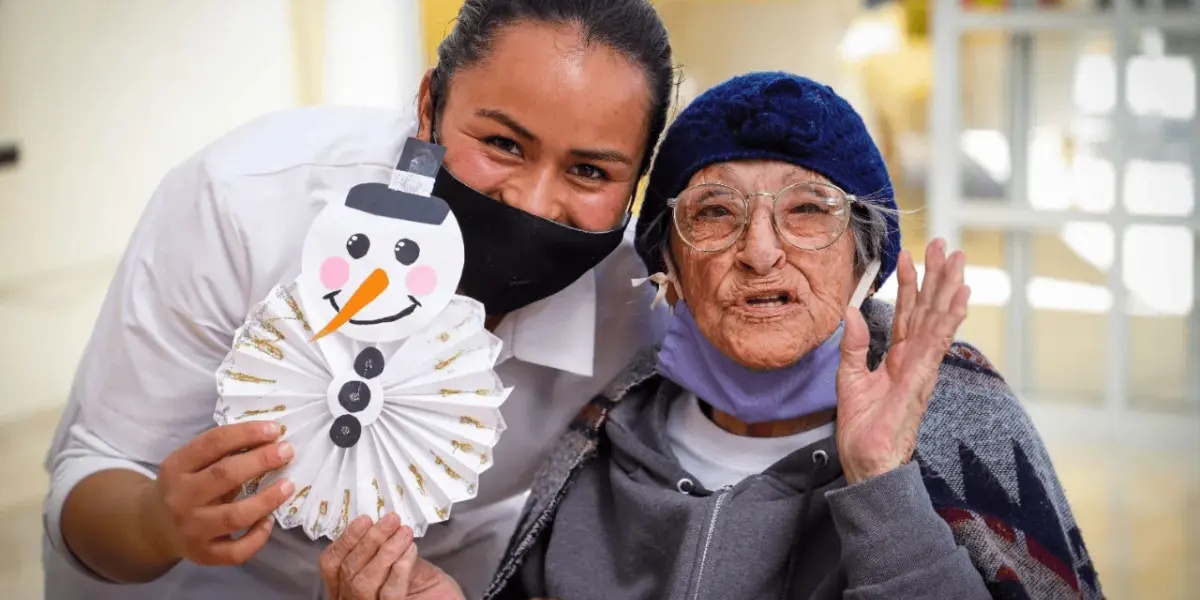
column 717, row 458
column 219, row 233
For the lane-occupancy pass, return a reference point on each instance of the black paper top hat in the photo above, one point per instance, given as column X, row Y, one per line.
column 420, row 159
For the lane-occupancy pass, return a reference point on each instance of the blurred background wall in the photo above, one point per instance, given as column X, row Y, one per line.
column 1056, row 141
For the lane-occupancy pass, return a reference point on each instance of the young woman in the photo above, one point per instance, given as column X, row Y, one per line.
column 549, row 110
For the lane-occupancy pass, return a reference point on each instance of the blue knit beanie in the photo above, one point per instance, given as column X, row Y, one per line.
column 771, row 116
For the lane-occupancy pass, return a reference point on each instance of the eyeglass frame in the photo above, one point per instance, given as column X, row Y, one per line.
column 851, row 199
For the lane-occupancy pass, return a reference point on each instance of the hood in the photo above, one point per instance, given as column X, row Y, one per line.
column 637, row 431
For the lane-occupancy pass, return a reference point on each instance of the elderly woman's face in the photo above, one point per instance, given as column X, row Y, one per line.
column 763, row 302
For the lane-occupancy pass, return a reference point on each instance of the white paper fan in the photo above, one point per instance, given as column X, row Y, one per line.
column 404, row 427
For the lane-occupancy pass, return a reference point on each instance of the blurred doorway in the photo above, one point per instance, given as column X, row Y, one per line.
column 1068, row 155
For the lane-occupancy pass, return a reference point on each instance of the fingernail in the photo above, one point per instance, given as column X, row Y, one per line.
column 286, row 451
column 269, row 523
column 391, row 519
column 359, row 524
column 271, row 429
column 288, row 488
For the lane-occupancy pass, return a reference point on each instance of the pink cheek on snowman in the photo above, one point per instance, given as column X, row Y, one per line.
column 334, row 273
column 421, row 280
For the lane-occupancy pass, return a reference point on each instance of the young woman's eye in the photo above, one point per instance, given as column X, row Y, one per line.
column 505, row 145
column 589, row 172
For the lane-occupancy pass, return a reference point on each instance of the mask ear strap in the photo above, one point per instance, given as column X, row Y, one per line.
column 662, row 280
column 864, row 285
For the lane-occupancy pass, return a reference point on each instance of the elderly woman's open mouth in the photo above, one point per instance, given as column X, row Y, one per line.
column 767, row 303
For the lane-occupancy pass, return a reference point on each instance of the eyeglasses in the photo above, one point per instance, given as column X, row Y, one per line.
column 711, row 217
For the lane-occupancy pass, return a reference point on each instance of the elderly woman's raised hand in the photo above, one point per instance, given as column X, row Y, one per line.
column 380, row 562
column 880, row 411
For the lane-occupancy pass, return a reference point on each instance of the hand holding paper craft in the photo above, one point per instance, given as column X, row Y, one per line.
column 381, row 376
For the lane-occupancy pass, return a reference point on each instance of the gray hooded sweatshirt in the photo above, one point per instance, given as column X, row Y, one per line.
column 635, row 524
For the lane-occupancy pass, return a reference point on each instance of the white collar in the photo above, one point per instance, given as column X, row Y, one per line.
column 557, row 332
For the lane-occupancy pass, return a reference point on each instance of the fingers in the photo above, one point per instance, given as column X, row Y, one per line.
column 426, row 578
column 906, row 296
column 958, row 306
column 375, row 574
column 332, row 557
column 236, row 552
column 396, row 586
column 935, row 258
column 366, row 549
column 219, row 442
column 855, row 341
column 952, row 282
column 224, row 519
column 231, row 472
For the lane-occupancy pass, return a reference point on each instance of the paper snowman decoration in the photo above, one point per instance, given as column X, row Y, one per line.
column 381, row 376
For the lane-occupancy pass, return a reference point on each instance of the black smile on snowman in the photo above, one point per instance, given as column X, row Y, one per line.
column 331, row 297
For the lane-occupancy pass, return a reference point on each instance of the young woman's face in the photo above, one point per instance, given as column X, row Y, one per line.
column 547, row 125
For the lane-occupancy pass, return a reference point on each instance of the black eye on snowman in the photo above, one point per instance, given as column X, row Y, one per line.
column 407, row 251
column 357, row 245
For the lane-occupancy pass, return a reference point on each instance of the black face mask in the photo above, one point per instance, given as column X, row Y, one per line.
column 514, row 258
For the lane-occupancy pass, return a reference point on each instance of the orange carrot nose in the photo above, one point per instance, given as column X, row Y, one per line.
column 370, row 289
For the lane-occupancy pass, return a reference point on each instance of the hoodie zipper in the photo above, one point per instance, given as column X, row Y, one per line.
column 708, row 536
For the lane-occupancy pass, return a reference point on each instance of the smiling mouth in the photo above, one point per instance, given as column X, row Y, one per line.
column 332, row 298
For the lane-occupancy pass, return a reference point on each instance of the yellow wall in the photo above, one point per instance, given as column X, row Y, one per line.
column 308, row 42
column 438, row 18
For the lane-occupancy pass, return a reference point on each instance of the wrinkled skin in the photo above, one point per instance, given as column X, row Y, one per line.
column 380, row 562
column 716, row 284
column 878, row 412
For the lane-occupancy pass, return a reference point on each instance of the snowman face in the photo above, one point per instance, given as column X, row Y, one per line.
column 380, row 277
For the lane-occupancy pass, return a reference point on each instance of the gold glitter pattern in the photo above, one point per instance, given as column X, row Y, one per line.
column 267, row 341
column 400, row 490
column 344, row 519
column 442, row 513
column 465, row 420
column 441, row 463
column 483, row 458
column 444, row 336
column 268, row 336
column 378, row 499
column 442, row 364
column 420, row 479
column 254, row 413
column 452, row 392
column 296, row 312
column 264, row 345
column 293, row 509
column 252, row 485
column 245, row 377
column 463, row 446
column 320, row 515
column 282, row 430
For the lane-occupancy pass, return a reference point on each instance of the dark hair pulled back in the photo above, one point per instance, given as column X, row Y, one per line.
column 630, row 27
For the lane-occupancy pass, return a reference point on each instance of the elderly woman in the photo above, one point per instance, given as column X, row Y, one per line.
column 781, row 443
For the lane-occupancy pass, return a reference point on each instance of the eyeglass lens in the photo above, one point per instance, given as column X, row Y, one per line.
column 808, row 215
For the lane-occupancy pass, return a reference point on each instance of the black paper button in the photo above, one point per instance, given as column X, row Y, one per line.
column 369, row 363
column 345, row 431
column 354, row 395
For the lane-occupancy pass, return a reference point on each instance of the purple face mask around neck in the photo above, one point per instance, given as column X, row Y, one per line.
column 807, row 386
